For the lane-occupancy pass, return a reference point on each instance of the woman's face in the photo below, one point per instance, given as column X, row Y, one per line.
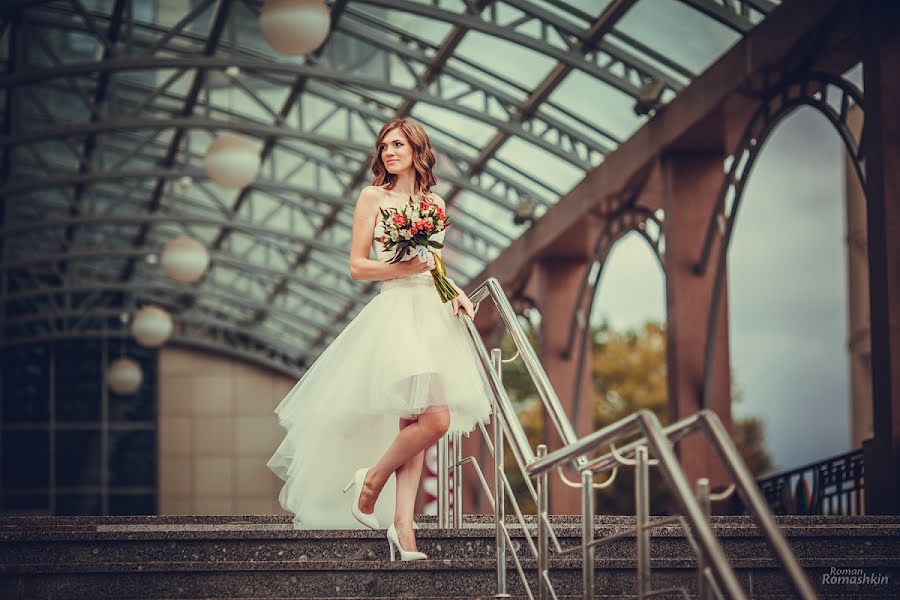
column 396, row 152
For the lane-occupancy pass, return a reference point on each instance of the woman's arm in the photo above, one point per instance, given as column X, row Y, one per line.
column 361, row 266
column 461, row 302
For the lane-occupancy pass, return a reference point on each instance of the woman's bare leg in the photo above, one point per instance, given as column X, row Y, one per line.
column 408, row 476
column 412, row 439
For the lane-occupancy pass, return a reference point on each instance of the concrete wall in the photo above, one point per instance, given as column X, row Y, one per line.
column 216, row 432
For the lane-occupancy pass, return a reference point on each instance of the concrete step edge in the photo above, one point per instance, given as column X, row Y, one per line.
column 461, row 565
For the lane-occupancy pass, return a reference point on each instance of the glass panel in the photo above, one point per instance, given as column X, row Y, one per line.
column 598, row 102
column 78, row 457
column 78, row 380
column 678, row 32
column 132, row 458
column 77, row 504
column 14, row 504
column 517, row 63
column 26, row 459
column 26, row 383
column 132, row 504
column 540, row 163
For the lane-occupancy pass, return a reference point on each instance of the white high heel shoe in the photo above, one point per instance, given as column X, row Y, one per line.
column 370, row 521
column 394, row 542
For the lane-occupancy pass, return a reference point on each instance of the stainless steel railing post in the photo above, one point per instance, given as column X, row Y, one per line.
column 642, row 514
column 499, row 491
column 543, row 558
column 587, row 533
column 443, row 491
column 457, row 481
column 705, row 506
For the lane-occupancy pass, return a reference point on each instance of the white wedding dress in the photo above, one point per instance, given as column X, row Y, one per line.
column 403, row 352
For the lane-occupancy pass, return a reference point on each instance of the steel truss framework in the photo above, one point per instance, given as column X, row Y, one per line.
column 107, row 113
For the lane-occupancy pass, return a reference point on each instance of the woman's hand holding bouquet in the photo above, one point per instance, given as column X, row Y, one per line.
column 408, row 230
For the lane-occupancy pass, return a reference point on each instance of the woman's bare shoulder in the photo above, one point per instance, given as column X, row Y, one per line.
column 370, row 197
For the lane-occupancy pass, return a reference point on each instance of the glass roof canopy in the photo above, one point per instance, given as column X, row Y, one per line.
column 110, row 106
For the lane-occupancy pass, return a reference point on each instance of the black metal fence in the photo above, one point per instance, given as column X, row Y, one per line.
column 831, row 487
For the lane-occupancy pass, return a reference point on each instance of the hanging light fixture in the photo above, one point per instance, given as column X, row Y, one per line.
column 232, row 160
column 185, row 259
column 124, row 376
column 151, row 326
column 295, row 26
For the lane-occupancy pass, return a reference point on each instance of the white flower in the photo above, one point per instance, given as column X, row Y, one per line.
column 405, row 234
column 394, row 236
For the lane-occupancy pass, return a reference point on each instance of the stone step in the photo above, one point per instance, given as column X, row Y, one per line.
column 441, row 579
column 263, row 556
column 216, row 540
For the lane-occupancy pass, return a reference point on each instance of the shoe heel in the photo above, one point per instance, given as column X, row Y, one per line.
column 348, row 486
column 391, row 544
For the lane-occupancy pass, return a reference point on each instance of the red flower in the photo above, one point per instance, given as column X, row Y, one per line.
column 423, row 205
column 399, row 220
column 383, row 239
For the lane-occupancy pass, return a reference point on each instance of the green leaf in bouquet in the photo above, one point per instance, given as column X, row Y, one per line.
column 435, row 244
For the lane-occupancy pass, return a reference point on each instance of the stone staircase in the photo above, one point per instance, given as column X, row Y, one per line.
column 263, row 557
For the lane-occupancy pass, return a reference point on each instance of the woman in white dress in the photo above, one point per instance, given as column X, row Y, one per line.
column 400, row 375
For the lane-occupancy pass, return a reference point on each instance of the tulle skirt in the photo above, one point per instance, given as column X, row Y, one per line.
column 403, row 353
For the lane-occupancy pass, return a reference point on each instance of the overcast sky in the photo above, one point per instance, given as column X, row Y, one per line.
column 788, row 293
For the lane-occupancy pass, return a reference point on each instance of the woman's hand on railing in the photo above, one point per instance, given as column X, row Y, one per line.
column 463, row 303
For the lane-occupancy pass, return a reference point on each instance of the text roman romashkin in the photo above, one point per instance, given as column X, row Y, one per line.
column 853, row 577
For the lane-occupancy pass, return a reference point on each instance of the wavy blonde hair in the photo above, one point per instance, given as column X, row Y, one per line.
column 423, row 156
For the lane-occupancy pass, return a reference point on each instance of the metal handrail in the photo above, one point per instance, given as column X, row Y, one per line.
column 492, row 288
column 714, row 571
column 660, row 442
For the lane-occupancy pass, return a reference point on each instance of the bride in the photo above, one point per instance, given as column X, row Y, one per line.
column 400, row 375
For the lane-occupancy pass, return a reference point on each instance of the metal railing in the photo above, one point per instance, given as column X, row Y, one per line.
column 715, row 575
column 835, row 486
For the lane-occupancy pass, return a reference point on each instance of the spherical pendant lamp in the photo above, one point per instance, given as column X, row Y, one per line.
column 295, row 26
column 232, row 160
column 151, row 326
column 184, row 259
column 124, row 376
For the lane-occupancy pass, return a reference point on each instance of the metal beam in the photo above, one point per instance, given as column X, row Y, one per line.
column 217, row 27
column 194, row 318
column 286, row 366
column 280, row 239
column 734, row 14
column 313, row 72
column 150, row 286
column 100, row 91
column 216, row 258
column 598, row 30
column 117, row 126
column 470, row 22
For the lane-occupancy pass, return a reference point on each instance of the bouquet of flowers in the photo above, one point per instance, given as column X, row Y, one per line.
column 408, row 229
